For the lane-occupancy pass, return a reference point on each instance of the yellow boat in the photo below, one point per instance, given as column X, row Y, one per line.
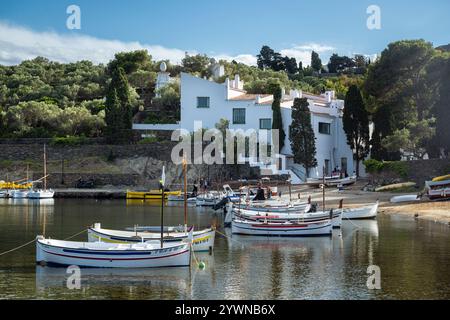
column 151, row 194
column 442, row 178
column 13, row 185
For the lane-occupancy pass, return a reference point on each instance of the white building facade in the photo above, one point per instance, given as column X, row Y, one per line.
column 209, row 102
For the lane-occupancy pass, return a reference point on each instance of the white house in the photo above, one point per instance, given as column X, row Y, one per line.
column 208, row 101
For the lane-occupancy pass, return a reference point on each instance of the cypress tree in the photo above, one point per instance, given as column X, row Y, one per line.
column 277, row 120
column 356, row 125
column 301, row 133
column 118, row 115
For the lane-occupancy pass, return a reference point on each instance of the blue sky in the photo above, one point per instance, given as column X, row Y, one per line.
column 226, row 29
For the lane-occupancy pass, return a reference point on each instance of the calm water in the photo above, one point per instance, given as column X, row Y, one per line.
column 414, row 258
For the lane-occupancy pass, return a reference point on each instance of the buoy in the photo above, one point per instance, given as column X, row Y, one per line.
column 201, row 265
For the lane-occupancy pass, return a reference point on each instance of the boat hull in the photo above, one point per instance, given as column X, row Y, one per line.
column 113, row 257
column 367, row 212
column 203, row 240
column 336, row 220
column 150, row 195
column 18, row 194
column 281, row 229
column 41, row 194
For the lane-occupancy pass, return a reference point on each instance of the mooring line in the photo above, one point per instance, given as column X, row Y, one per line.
column 76, row 234
column 241, row 243
column 17, row 248
column 352, row 223
column 30, row 242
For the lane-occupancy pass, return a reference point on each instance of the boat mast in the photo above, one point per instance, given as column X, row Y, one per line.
column 45, row 168
column 323, row 188
column 185, row 192
column 163, row 182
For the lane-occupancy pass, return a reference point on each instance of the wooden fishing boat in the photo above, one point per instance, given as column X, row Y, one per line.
column 180, row 198
column 20, row 194
column 112, row 255
column 336, row 216
column 438, row 190
column 365, row 212
column 441, row 178
column 151, row 194
column 280, row 229
column 331, row 181
column 41, row 194
column 275, row 207
column 203, row 240
column 207, row 200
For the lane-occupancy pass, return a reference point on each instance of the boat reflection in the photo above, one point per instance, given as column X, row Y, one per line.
column 55, row 279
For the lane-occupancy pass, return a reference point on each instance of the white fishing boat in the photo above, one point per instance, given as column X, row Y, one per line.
column 438, row 190
column 287, row 229
column 405, row 198
column 112, row 255
column 20, row 194
column 180, row 198
column 203, row 240
column 41, row 194
column 365, row 212
column 275, row 207
column 207, row 200
column 331, row 181
column 4, row 194
column 336, row 216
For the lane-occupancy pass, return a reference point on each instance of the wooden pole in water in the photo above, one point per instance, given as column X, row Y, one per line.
column 162, row 216
column 323, row 188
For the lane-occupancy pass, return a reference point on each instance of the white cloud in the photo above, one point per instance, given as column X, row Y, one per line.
column 303, row 52
column 18, row 44
column 242, row 58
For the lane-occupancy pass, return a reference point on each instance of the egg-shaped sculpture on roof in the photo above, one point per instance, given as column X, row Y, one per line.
column 163, row 67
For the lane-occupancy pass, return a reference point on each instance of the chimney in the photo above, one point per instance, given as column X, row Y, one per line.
column 236, row 81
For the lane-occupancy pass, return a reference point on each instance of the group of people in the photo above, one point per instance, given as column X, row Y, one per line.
column 337, row 171
column 205, row 184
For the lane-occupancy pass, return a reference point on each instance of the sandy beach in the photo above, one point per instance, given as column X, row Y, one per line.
column 438, row 211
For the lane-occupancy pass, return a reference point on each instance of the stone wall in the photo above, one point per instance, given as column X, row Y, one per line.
column 34, row 152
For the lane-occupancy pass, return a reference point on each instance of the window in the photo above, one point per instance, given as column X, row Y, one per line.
column 238, row 116
column 265, row 123
column 202, row 102
column 324, row 128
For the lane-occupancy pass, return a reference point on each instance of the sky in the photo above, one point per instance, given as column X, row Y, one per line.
column 228, row 29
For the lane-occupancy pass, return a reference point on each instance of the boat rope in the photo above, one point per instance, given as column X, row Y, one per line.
column 17, row 248
column 76, row 234
column 228, row 237
column 350, row 220
column 30, row 242
column 193, row 254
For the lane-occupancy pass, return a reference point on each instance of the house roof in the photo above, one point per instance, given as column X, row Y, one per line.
column 249, row 96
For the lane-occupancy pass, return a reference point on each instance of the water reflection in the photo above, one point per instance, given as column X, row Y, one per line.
column 413, row 257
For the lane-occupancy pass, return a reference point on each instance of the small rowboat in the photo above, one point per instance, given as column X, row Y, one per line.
column 366, row 212
column 203, row 240
column 285, row 229
column 405, row 198
column 112, row 255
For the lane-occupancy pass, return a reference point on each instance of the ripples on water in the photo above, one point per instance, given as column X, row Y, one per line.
column 414, row 258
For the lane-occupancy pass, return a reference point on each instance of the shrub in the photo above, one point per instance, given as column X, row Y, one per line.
column 373, row 165
column 398, row 167
column 68, row 141
column 148, row 140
